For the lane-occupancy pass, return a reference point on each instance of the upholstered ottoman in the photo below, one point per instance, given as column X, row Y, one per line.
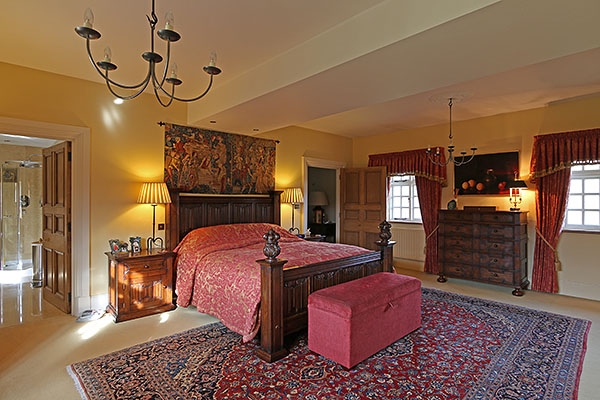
column 348, row 323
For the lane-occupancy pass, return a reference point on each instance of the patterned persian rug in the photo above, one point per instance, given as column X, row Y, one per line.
column 467, row 348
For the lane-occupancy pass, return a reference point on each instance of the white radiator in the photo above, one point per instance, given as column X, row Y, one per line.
column 410, row 241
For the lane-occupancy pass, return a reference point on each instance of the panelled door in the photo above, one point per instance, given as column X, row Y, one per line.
column 56, row 225
column 363, row 205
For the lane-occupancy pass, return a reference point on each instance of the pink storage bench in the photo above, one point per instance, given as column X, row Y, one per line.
column 350, row 322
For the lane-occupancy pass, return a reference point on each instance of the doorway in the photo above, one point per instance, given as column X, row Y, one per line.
column 322, row 191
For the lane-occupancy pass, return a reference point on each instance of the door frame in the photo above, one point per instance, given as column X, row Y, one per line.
column 80, row 202
column 321, row 163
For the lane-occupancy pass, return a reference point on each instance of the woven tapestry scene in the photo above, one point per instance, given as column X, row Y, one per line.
column 467, row 348
column 205, row 161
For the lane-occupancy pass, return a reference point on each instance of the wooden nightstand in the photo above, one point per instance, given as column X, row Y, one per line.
column 314, row 238
column 140, row 284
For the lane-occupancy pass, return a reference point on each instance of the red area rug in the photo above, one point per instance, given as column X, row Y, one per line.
column 467, row 348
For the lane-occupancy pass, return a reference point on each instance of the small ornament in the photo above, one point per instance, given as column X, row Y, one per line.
column 452, row 205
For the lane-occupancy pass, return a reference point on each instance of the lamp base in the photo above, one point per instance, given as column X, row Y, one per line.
column 155, row 243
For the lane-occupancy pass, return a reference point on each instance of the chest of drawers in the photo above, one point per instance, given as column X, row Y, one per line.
column 485, row 246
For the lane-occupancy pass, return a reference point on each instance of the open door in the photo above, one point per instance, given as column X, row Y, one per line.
column 363, row 205
column 56, row 225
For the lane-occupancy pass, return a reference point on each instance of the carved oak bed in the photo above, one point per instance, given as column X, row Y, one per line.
column 283, row 292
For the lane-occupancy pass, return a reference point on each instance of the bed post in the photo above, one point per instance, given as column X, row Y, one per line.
column 386, row 246
column 271, row 301
column 172, row 220
column 276, row 196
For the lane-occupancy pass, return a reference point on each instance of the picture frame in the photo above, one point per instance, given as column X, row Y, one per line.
column 114, row 245
column 136, row 244
column 486, row 174
column 123, row 247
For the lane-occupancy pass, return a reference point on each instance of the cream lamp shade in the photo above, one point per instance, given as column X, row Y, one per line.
column 154, row 193
column 318, row 199
column 292, row 195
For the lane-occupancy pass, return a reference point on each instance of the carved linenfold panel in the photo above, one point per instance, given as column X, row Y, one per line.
column 295, row 296
column 217, row 213
column 264, row 212
column 146, row 292
column 321, row 281
column 241, row 213
column 373, row 267
column 352, row 273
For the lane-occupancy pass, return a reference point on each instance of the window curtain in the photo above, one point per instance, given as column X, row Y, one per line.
column 551, row 161
column 429, row 179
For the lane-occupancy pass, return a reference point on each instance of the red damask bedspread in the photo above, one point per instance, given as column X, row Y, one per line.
column 217, row 270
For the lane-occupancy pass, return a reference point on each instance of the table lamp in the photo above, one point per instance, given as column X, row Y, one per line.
column 154, row 193
column 318, row 199
column 515, row 198
column 294, row 197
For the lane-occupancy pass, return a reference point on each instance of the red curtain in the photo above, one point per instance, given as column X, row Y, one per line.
column 551, row 201
column 429, row 179
column 558, row 151
column 430, row 196
column 413, row 162
column 551, row 161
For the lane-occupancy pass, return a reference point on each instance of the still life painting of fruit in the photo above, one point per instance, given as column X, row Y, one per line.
column 486, row 174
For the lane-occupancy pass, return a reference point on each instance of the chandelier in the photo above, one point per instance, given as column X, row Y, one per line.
column 163, row 86
column 434, row 157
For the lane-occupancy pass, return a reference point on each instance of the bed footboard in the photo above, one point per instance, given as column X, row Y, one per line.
column 284, row 293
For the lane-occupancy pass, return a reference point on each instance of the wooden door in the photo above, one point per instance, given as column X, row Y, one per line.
column 56, row 225
column 363, row 205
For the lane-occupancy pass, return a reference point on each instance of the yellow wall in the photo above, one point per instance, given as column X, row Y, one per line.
column 505, row 132
column 126, row 149
column 295, row 143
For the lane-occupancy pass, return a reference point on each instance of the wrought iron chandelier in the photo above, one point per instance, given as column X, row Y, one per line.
column 167, row 34
column 434, row 157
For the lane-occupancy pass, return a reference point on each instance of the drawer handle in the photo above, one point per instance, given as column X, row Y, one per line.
column 146, row 266
column 496, row 245
column 495, row 274
column 495, row 260
column 458, row 270
column 495, row 230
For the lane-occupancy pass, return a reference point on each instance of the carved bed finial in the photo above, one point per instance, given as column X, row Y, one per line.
column 385, row 233
column 271, row 249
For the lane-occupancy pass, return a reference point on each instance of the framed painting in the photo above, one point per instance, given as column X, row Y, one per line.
column 486, row 174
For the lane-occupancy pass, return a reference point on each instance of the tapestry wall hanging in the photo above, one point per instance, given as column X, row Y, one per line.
column 205, row 161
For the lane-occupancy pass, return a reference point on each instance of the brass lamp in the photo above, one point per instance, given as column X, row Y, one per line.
column 154, row 193
column 294, row 197
column 515, row 193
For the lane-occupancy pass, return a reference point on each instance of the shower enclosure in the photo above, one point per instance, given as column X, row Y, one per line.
column 20, row 208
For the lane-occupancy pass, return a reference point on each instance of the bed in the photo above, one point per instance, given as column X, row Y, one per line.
column 279, row 290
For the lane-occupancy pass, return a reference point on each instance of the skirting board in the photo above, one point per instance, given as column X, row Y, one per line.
column 97, row 302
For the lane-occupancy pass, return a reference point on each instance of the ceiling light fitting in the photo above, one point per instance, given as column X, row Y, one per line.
column 167, row 34
column 434, row 157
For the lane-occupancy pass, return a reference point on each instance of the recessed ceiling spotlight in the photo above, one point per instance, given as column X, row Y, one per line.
column 118, row 101
column 213, row 122
column 256, row 129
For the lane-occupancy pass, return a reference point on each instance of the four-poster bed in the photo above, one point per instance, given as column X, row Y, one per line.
column 283, row 291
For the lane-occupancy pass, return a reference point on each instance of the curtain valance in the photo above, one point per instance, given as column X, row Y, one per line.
column 558, row 151
column 414, row 162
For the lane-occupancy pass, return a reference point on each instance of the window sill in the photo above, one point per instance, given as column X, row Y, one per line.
column 393, row 221
column 587, row 231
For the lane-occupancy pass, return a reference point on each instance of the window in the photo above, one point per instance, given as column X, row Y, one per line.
column 403, row 202
column 583, row 206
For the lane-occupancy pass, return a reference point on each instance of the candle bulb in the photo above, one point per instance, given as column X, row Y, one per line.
column 169, row 21
column 88, row 18
column 213, row 59
column 107, row 54
column 173, row 71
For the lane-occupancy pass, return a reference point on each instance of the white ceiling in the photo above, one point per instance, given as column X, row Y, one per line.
column 18, row 140
column 349, row 67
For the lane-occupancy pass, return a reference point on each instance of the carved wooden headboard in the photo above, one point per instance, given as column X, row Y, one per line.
column 189, row 211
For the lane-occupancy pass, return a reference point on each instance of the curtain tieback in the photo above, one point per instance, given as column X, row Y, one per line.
column 427, row 238
column 557, row 263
